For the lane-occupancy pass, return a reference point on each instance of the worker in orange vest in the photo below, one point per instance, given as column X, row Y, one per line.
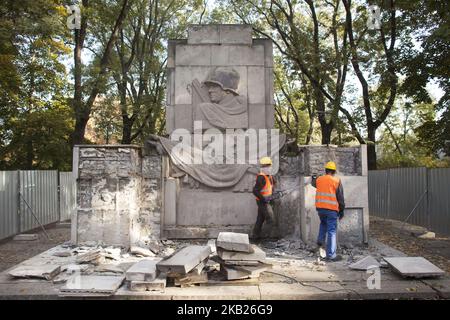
column 330, row 206
column 263, row 191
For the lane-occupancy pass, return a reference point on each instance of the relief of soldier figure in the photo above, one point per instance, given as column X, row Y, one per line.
column 219, row 104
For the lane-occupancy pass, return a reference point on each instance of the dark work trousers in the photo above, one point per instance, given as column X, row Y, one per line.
column 265, row 213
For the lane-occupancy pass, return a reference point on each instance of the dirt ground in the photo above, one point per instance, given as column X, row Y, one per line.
column 13, row 252
column 404, row 237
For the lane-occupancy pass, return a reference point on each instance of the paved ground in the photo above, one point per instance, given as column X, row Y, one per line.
column 404, row 238
column 296, row 274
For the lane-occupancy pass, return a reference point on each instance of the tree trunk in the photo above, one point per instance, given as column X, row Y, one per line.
column 371, row 151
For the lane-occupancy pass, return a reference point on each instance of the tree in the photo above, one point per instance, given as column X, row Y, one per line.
column 86, row 93
column 310, row 35
column 34, row 112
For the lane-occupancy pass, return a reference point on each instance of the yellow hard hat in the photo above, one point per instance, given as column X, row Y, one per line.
column 265, row 161
column 331, row 166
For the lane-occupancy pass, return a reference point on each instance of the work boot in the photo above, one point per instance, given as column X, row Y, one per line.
column 335, row 259
column 321, row 250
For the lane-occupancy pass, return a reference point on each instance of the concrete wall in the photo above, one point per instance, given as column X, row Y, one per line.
column 118, row 195
column 352, row 170
column 120, row 199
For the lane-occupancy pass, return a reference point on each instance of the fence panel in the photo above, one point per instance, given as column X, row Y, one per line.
column 394, row 193
column 406, row 187
column 9, row 218
column 39, row 190
column 439, row 200
column 378, row 193
column 67, row 195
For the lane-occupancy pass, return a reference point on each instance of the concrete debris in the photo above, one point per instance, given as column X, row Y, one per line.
column 144, row 270
column 26, row 237
column 72, row 268
column 112, row 253
column 65, row 253
column 46, row 271
column 154, row 246
column 94, row 257
column 158, row 284
column 414, row 267
column 184, row 260
column 108, row 268
column 191, row 278
column 61, row 278
column 212, row 244
column 233, row 241
column 365, row 264
column 428, row 235
column 141, row 252
column 87, row 285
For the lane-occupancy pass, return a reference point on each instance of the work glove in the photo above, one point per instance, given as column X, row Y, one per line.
column 341, row 214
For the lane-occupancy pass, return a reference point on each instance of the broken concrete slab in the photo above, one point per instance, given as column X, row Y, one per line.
column 233, row 241
column 142, row 252
column 256, row 254
column 92, row 284
column 365, row 263
column 232, row 273
column 158, row 284
column 93, row 256
column 144, row 270
column 46, row 271
column 414, row 267
column 26, row 237
column 254, row 271
column 184, row 260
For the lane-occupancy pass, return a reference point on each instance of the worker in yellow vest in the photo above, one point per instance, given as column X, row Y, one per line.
column 263, row 191
column 330, row 206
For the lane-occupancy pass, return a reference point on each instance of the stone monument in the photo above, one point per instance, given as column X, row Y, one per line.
column 219, row 87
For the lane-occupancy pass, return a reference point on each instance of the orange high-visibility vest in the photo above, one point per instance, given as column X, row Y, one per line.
column 326, row 187
column 268, row 186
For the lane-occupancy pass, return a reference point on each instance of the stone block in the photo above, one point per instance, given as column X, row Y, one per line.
column 144, row 270
column 170, row 201
column 235, row 34
column 170, row 93
column 183, row 82
column 269, row 83
column 183, row 117
column 233, row 241
column 245, row 56
column 257, row 116
column 184, row 260
column 158, row 284
column 92, row 284
column 256, row 85
column 256, row 255
column 46, row 271
column 192, row 55
column 414, row 267
column 86, row 152
column 205, row 208
column 203, row 34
